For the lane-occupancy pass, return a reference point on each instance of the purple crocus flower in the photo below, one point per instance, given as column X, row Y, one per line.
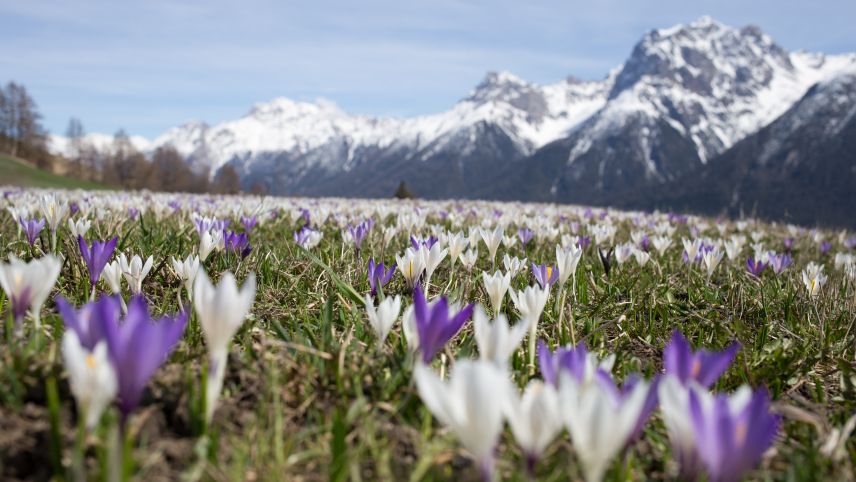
column 525, row 235
column 358, row 233
column 583, row 241
column 755, row 267
column 249, row 222
column 96, row 256
column 434, row 324
column 825, row 247
column 428, row 242
column 545, row 275
column 73, row 208
column 137, row 345
column 788, row 243
column 238, row 243
column 32, row 227
column 88, row 321
column 651, row 402
column 850, row 242
column 645, row 243
column 778, row 262
column 133, row 213
column 703, row 366
column 731, row 439
column 570, row 359
column 378, row 275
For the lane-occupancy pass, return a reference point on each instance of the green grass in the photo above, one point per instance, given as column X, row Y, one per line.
column 309, row 395
column 17, row 172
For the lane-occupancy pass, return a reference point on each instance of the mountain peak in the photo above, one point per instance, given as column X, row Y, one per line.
column 284, row 107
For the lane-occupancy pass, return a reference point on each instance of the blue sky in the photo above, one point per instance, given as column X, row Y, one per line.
column 150, row 65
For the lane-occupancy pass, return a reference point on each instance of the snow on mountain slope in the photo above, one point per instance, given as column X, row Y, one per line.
column 712, row 83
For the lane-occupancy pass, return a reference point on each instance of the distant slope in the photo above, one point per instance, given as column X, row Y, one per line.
column 17, row 172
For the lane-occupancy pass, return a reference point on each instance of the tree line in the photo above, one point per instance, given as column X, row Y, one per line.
column 120, row 165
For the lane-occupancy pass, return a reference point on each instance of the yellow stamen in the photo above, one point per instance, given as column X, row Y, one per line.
column 90, row 361
column 696, row 369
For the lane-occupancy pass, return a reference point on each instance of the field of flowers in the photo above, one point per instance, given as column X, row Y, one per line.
column 176, row 337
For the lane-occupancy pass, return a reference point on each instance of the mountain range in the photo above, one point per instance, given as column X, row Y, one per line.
column 701, row 117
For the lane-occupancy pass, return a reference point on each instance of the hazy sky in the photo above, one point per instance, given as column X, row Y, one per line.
column 150, row 65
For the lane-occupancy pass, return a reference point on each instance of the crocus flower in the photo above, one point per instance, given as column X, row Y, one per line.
column 96, row 257
column 91, row 376
column 600, row 420
column 418, row 243
column 732, row 433
column 112, row 275
column 378, row 275
column 525, row 235
column 138, row 345
column 456, row 243
column 545, row 275
column 27, row 285
column 435, row 326
column 825, row 247
column 496, row 285
column 79, row 227
column 813, row 278
column 237, row 243
column 567, row 260
column 411, row 265
column 208, row 242
column 711, row 258
column 358, row 233
column 577, row 361
column 703, row 366
column 383, row 317
column 470, row 404
column 692, row 250
column 135, row 271
column 221, row 310
column 32, row 228
column 492, row 239
column 469, row 258
column 496, row 340
column 433, row 256
column 788, row 243
column 514, row 265
column 249, row 222
column 535, row 419
column 186, row 271
column 307, row 238
column 779, row 262
column 754, row 267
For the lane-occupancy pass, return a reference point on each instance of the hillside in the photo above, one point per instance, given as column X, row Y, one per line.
column 17, row 172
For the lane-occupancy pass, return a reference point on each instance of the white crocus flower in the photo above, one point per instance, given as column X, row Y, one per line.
column 496, row 340
column 469, row 258
column 691, row 248
column 530, row 302
column 90, row 375
column 457, row 244
column 567, row 260
column 470, row 404
column 411, row 265
column 535, row 419
column 623, row 252
column 661, row 243
column 53, row 211
column 514, row 265
column 641, row 256
column 433, row 257
column 112, row 275
column 492, row 240
column 79, row 227
column 711, row 260
column 208, row 242
column 813, row 278
column 599, row 422
column 221, row 311
column 27, row 285
column 186, row 271
column 496, row 286
column 135, row 271
column 383, row 317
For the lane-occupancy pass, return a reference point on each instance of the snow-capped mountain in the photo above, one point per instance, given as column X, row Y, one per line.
column 685, row 96
column 799, row 168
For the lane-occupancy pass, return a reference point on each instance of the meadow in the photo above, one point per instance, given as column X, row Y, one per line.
column 177, row 337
